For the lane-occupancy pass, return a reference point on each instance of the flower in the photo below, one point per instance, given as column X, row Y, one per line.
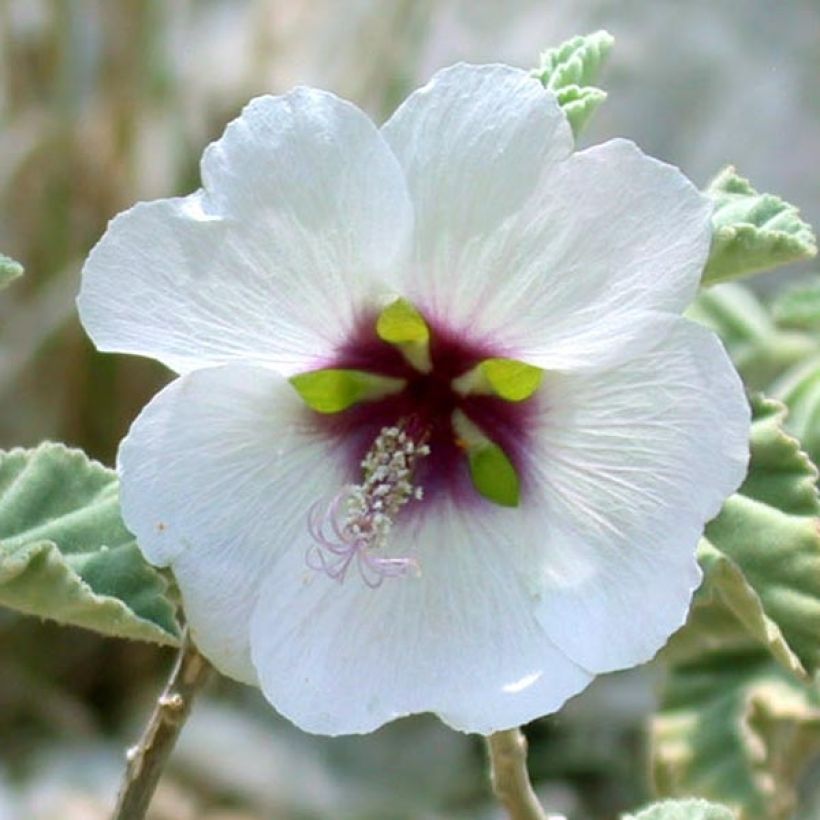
column 440, row 439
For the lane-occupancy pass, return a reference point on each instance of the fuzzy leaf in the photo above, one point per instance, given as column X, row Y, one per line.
column 739, row 714
column 569, row 71
column 799, row 389
column 65, row 553
column 761, row 556
column 683, row 810
column 9, row 271
column 798, row 307
column 752, row 232
column 760, row 349
column 735, row 728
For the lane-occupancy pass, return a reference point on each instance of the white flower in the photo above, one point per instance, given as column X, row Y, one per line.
column 469, row 207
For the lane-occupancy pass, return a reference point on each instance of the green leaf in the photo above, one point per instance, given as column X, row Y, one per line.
column 735, row 728
column 683, row 810
column 9, row 271
column 799, row 389
column 752, row 232
column 761, row 555
column 740, row 715
column 760, row 350
column 569, row 71
column 333, row 390
column 798, row 307
column 65, row 553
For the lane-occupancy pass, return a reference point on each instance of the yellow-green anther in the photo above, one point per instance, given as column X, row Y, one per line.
column 491, row 471
column 402, row 325
column 508, row 379
column 334, row 390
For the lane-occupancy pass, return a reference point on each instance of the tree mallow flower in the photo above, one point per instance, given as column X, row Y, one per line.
column 440, row 439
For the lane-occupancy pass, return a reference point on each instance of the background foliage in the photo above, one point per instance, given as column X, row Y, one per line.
column 105, row 103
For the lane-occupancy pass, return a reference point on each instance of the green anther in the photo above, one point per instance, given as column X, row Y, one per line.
column 400, row 324
column 334, row 390
column 508, row 379
column 491, row 471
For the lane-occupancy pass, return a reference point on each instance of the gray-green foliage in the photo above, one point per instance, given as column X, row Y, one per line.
column 770, row 355
column 683, row 810
column 799, row 306
column 9, row 271
column 65, row 553
column 569, row 71
column 740, row 711
column 752, row 232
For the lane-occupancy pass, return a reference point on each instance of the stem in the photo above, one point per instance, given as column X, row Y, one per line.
column 510, row 779
column 147, row 759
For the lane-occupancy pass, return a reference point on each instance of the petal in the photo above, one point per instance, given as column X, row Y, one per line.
column 472, row 142
column 460, row 640
column 217, row 474
column 303, row 220
column 630, row 465
column 609, row 240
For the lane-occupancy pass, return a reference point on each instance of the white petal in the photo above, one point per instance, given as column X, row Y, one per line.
column 303, row 220
column 630, row 465
column 610, row 242
column 472, row 142
column 461, row 640
column 218, row 474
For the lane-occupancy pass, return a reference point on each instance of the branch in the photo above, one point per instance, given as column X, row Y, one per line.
column 147, row 759
column 510, row 779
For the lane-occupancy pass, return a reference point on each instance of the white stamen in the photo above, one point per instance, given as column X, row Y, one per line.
column 361, row 516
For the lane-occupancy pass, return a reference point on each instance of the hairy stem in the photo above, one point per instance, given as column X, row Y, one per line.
column 510, row 779
column 147, row 759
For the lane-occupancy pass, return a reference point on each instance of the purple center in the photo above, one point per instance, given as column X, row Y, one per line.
column 425, row 408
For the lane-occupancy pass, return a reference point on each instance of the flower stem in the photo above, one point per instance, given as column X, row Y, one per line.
column 510, row 779
column 147, row 759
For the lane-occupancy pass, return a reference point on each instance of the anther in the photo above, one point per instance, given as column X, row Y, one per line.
column 356, row 524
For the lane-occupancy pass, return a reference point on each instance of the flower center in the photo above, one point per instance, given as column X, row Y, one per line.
column 401, row 382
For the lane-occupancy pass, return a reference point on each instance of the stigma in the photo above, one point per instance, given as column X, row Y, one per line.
column 355, row 526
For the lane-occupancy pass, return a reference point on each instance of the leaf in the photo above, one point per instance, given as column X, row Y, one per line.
column 333, row 390
column 799, row 306
column 799, row 389
column 760, row 349
column 761, row 555
column 739, row 713
column 683, row 810
column 9, row 271
column 569, row 71
column 752, row 232
column 65, row 553
column 738, row 730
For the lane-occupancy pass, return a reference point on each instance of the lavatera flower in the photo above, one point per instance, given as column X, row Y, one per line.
column 440, row 439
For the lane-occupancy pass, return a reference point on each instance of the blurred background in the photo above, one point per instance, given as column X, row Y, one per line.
column 105, row 102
